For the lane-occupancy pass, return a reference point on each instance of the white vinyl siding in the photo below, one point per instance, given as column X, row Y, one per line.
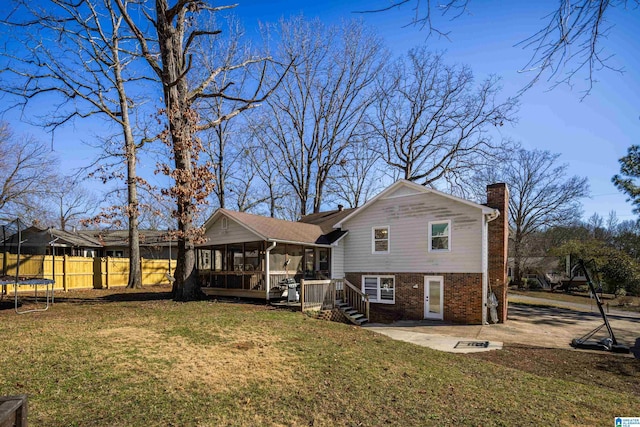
column 381, row 289
column 337, row 261
column 439, row 236
column 380, row 240
column 233, row 233
column 408, row 217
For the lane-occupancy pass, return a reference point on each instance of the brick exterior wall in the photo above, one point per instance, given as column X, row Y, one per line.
column 498, row 198
column 462, row 297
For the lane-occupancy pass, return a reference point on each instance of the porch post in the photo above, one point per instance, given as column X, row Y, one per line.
column 267, row 269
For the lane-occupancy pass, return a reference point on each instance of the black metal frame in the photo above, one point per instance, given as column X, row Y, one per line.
column 585, row 342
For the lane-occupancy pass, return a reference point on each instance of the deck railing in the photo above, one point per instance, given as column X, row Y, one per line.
column 317, row 294
column 355, row 298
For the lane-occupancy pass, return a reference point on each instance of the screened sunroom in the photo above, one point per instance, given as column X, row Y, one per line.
column 235, row 263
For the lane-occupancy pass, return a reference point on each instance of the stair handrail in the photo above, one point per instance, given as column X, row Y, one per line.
column 361, row 304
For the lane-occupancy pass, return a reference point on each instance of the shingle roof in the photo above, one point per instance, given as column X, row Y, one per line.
column 277, row 229
column 98, row 238
column 121, row 237
column 76, row 238
column 326, row 220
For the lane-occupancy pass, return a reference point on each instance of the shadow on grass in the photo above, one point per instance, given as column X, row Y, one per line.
column 131, row 296
column 603, row 369
column 106, row 296
column 87, row 298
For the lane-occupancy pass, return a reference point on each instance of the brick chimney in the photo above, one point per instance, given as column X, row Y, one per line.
column 498, row 198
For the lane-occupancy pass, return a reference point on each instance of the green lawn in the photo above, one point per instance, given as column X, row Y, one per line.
column 631, row 303
column 136, row 358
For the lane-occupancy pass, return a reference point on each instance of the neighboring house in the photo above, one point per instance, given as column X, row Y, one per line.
column 547, row 272
column 417, row 252
column 90, row 243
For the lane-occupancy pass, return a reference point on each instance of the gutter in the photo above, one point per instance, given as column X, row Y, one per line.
column 293, row 242
column 495, row 214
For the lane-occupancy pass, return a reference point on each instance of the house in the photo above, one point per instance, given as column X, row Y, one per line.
column 90, row 243
column 417, row 253
column 247, row 255
column 548, row 272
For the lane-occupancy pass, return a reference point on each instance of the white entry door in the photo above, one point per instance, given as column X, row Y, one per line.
column 433, row 297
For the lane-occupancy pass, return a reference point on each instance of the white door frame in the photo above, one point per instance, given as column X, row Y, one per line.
column 427, row 314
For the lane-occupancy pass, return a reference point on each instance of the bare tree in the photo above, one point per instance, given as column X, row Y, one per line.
column 541, row 195
column 571, row 42
column 72, row 202
column 359, row 176
column 319, row 108
column 222, row 143
column 27, row 170
column 432, row 120
column 77, row 56
column 180, row 29
column 265, row 167
column 568, row 45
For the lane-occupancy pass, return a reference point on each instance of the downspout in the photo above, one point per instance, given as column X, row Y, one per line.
column 485, row 263
column 267, row 269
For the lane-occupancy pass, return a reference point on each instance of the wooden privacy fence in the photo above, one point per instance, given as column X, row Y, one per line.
column 85, row 273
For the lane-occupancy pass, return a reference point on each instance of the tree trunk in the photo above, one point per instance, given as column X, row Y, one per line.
column 135, row 273
column 170, row 38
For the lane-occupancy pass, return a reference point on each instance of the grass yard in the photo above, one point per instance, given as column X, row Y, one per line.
column 627, row 303
column 136, row 358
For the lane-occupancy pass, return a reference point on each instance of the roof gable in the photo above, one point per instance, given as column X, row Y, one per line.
column 268, row 228
column 403, row 188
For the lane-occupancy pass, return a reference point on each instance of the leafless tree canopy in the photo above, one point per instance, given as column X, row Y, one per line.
column 568, row 45
column 541, row 195
column 79, row 58
column 320, row 106
column 27, row 174
column 181, row 29
column 85, row 56
column 434, row 122
column 359, row 177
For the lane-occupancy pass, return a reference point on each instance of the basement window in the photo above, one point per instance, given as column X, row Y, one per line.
column 381, row 289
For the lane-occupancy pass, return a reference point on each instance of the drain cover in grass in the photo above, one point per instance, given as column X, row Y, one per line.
column 462, row 344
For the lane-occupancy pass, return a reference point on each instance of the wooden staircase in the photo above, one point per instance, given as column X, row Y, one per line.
column 353, row 303
column 351, row 313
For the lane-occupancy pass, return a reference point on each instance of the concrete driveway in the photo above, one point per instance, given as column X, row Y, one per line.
column 550, row 327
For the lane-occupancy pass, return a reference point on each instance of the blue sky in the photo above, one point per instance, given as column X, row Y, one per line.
column 591, row 135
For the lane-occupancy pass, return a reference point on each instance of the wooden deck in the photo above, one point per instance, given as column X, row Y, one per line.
column 234, row 293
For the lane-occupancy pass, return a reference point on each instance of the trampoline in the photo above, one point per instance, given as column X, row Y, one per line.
column 12, row 240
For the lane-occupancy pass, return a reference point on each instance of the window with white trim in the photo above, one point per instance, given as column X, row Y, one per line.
column 439, row 236
column 381, row 289
column 380, row 240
